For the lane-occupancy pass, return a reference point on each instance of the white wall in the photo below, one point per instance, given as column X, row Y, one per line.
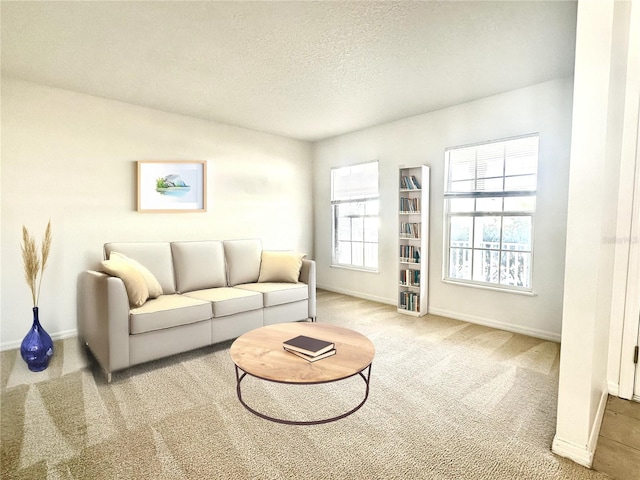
column 72, row 158
column 543, row 108
column 594, row 190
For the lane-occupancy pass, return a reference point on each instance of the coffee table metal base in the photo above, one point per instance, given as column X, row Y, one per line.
column 240, row 376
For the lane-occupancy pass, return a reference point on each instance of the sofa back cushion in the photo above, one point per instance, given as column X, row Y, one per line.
column 198, row 265
column 243, row 260
column 155, row 256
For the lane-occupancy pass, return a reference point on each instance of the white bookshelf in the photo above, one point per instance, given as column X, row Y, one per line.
column 413, row 240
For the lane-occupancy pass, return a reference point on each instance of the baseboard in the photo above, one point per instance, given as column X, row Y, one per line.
column 597, row 423
column 351, row 293
column 509, row 327
column 531, row 332
column 54, row 337
column 577, row 453
column 614, row 389
column 583, row 454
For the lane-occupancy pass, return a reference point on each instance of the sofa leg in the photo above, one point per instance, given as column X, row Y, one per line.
column 108, row 377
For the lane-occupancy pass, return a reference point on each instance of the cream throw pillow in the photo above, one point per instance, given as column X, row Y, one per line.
column 155, row 290
column 280, row 267
column 134, row 282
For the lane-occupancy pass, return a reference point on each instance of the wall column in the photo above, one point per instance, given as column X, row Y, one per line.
column 599, row 93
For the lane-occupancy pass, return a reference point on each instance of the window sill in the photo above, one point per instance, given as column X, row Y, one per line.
column 526, row 293
column 356, row 269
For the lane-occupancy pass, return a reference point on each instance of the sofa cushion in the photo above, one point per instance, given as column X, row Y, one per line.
column 243, row 260
column 156, row 256
column 228, row 301
column 280, row 267
column 198, row 265
column 278, row 293
column 168, row 311
column 155, row 289
column 134, row 282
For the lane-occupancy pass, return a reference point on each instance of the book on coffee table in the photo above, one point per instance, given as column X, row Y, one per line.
column 309, row 358
column 308, row 345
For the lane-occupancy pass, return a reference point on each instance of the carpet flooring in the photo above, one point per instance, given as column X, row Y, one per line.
column 448, row 400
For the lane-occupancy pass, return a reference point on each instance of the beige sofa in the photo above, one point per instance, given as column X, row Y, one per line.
column 207, row 292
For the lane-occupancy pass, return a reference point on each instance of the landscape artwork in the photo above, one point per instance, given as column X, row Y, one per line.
column 172, row 186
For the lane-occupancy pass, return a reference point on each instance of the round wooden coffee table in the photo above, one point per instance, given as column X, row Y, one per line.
column 259, row 353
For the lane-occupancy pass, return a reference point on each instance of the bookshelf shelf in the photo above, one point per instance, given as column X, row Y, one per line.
column 413, row 236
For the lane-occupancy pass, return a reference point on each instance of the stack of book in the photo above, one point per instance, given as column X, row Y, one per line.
column 311, row 349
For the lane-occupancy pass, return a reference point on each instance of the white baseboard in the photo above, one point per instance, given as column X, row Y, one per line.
column 597, row 423
column 582, row 454
column 54, row 337
column 578, row 453
column 531, row 332
column 614, row 389
column 509, row 327
column 351, row 293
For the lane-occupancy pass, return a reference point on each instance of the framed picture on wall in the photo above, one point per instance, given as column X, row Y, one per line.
column 172, row 186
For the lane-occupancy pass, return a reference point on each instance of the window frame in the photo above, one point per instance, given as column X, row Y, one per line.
column 474, row 214
column 355, row 200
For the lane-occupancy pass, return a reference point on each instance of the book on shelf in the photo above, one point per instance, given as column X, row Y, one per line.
column 410, row 301
column 409, row 205
column 409, row 254
column 409, row 182
column 312, row 358
column 308, row 345
column 409, row 230
column 410, row 278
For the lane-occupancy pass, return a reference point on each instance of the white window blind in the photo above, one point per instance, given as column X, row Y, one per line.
column 354, row 182
column 505, row 168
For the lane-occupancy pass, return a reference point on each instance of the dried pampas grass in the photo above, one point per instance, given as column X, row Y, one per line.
column 34, row 265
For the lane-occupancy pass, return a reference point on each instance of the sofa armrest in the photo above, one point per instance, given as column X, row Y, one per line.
column 308, row 276
column 103, row 319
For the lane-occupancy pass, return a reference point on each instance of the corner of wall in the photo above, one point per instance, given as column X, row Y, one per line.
column 583, row 454
column 577, row 453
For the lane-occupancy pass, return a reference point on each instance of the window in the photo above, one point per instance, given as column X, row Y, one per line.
column 354, row 205
column 490, row 201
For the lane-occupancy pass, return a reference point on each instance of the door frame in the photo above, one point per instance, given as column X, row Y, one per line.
column 631, row 320
column 625, row 310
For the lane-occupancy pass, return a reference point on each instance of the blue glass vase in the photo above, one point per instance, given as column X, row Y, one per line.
column 36, row 348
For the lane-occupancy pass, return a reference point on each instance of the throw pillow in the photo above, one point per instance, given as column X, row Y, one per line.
column 155, row 289
column 280, row 267
column 134, row 282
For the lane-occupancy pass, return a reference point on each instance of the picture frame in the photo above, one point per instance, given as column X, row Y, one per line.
column 172, row 186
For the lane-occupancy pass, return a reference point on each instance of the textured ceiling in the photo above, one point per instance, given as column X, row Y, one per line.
column 306, row 70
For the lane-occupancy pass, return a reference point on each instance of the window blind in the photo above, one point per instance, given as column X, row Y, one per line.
column 354, row 182
column 506, row 168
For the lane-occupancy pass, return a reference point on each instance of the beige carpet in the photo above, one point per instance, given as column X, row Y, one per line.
column 448, row 400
